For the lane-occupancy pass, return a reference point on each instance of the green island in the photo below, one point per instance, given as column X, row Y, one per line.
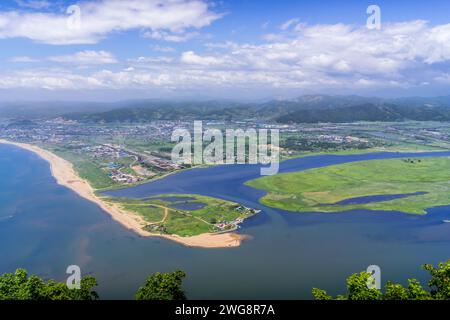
column 186, row 215
column 425, row 183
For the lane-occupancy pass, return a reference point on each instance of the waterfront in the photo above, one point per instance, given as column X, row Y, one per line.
column 45, row 227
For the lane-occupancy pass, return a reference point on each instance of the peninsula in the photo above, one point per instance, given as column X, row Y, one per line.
column 65, row 174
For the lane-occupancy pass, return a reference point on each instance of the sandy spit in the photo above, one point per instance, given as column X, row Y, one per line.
column 65, row 175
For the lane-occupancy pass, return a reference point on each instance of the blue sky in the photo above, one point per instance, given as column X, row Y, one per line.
column 242, row 49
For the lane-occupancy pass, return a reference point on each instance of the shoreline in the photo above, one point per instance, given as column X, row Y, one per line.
column 65, row 175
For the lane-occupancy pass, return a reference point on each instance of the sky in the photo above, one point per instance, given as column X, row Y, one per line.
column 110, row 50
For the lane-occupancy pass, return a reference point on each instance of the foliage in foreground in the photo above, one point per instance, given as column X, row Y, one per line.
column 20, row 286
column 163, row 286
column 357, row 288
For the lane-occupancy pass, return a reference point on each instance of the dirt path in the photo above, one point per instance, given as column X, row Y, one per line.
column 167, row 210
column 166, row 214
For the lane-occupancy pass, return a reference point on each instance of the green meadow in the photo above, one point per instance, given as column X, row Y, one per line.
column 318, row 190
column 162, row 217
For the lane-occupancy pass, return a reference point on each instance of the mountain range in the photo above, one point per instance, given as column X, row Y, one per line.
column 304, row 109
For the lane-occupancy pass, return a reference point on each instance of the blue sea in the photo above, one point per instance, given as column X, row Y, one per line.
column 45, row 227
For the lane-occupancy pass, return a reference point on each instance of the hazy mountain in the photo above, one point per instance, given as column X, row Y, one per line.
column 308, row 109
column 49, row 109
column 142, row 111
column 367, row 112
column 443, row 101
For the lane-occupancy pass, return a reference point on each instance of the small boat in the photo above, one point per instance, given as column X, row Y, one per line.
column 446, row 221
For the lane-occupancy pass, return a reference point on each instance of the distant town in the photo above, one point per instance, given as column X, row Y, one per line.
column 121, row 154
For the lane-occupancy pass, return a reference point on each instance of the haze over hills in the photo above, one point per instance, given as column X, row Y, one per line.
column 304, row 109
column 40, row 109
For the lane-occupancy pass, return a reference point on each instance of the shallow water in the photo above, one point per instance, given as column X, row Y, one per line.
column 377, row 198
column 45, row 227
column 173, row 199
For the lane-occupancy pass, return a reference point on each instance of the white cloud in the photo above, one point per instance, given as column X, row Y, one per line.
column 171, row 36
column 189, row 57
column 171, row 19
column 316, row 57
column 52, row 79
column 23, row 59
column 151, row 61
column 164, row 49
column 86, row 57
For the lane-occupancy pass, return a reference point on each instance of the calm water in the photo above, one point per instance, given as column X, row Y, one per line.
column 377, row 198
column 45, row 227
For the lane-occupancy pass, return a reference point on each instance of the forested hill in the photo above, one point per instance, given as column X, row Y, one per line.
column 164, row 112
column 367, row 112
column 306, row 109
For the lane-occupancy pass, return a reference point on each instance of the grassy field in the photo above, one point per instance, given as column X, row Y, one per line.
column 318, row 190
column 158, row 211
column 85, row 168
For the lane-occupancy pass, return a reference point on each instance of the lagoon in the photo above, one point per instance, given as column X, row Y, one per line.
column 377, row 198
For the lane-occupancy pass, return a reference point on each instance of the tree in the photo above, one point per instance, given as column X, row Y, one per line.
column 414, row 291
column 395, row 291
column 20, row 286
column 163, row 286
column 320, row 294
column 358, row 290
column 440, row 280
